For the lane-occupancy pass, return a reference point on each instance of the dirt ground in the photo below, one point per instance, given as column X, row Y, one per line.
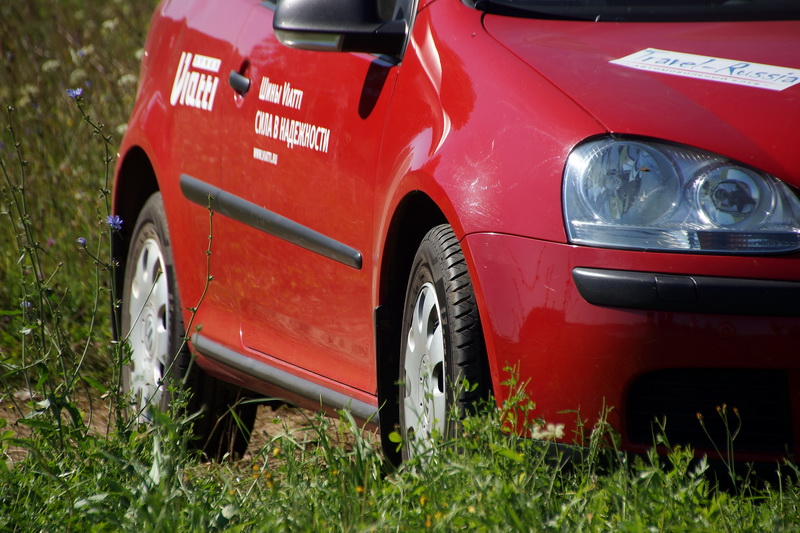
column 270, row 423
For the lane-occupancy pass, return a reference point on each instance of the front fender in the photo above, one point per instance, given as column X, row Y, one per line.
column 478, row 131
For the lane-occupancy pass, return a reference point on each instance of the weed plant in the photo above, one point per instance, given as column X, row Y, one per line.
column 62, row 468
column 46, row 47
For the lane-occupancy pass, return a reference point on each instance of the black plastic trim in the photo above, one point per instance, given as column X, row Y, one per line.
column 248, row 213
column 284, row 380
column 239, row 83
column 338, row 25
column 687, row 294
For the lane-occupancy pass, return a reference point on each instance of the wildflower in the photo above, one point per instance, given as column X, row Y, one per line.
column 114, row 221
column 471, row 509
column 549, row 431
column 359, row 489
column 81, row 241
column 74, row 93
column 276, row 451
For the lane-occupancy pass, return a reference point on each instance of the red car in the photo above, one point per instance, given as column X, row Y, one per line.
column 406, row 194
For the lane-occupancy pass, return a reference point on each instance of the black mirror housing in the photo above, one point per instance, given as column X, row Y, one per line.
column 338, row 26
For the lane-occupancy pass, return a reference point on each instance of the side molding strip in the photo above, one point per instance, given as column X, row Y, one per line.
column 248, row 213
column 284, row 380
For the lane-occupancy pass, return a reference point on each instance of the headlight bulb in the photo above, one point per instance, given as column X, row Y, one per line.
column 732, row 197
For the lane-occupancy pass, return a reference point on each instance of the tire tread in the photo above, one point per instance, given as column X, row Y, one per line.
column 468, row 347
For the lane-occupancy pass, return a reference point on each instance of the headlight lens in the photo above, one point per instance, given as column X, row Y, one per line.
column 655, row 196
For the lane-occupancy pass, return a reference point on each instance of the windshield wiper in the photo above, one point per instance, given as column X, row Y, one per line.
column 515, row 8
column 655, row 11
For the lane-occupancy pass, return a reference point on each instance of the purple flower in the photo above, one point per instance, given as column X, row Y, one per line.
column 114, row 221
column 81, row 241
column 74, row 93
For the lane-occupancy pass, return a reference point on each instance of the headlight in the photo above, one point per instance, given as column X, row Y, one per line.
column 654, row 196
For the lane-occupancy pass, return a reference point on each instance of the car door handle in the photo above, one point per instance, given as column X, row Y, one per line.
column 240, row 84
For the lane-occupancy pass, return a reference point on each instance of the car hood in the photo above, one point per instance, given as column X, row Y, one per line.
column 757, row 126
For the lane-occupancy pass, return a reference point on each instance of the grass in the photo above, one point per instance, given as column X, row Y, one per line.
column 70, row 471
column 47, row 47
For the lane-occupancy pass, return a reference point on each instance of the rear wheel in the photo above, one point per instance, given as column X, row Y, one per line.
column 442, row 344
column 152, row 320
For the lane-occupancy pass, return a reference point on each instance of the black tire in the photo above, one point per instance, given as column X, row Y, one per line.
column 152, row 323
column 440, row 307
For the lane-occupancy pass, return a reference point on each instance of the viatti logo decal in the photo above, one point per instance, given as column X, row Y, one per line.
column 193, row 87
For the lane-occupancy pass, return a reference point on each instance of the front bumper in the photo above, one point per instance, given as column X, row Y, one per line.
column 647, row 335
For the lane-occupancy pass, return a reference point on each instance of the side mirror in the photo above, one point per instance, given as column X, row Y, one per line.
column 338, row 26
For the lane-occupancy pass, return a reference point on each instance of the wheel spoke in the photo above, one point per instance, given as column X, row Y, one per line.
column 428, row 312
column 436, row 351
column 161, row 318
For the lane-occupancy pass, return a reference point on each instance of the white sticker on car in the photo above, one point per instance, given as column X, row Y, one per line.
column 290, row 131
column 284, row 95
column 210, row 64
column 712, row 68
column 192, row 87
column 265, row 156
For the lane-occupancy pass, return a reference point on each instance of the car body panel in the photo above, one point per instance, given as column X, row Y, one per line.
column 295, row 304
column 170, row 110
column 753, row 125
column 536, row 318
column 450, row 82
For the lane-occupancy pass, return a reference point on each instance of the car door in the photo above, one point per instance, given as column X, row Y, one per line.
column 194, row 58
column 302, row 150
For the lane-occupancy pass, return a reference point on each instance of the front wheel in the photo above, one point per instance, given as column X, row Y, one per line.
column 153, row 325
column 442, row 344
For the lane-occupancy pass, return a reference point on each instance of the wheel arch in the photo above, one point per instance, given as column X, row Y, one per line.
column 135, row 183
column 415, row 215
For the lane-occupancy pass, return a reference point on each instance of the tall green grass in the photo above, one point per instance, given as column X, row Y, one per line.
column 62, row 468
column 47, row 47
